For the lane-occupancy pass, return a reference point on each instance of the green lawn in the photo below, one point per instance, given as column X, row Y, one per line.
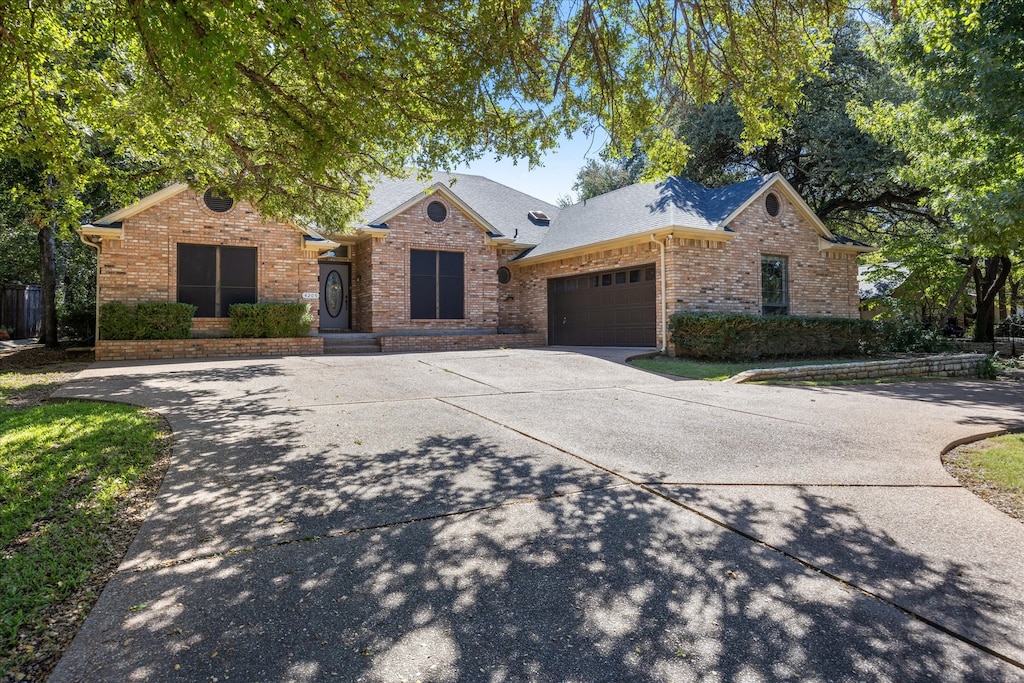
column 1000, row 462
column 716, row 372
column 65, row 470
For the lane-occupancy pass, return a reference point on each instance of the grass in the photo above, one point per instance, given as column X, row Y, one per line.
column 1000, row 462
column 716, row 372
column 67, row 471
column 992, row 469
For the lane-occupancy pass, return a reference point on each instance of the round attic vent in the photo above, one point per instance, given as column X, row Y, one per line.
column 437, row 212
column 504, row 275
column 771, row 204
column 215, row 201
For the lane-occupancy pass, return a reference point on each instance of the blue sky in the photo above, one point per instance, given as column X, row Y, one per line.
column 550, row 181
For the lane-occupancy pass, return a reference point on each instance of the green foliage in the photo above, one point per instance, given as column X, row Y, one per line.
column 962, row 131
column 65, row 470
column 1011, row 327
column 903, row 334
column 154, row 320
column 999, row 460
column 745, row 337
column 118, row 321
column 270, row 320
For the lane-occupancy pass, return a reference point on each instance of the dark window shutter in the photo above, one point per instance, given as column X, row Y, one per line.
column 450, row 285
column 237, row 277
column 197, row 278
column 422, row 284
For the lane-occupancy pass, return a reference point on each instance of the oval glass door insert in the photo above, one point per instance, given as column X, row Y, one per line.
column 333, row 293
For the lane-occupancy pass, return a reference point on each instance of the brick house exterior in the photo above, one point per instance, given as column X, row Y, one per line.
column 466, row 262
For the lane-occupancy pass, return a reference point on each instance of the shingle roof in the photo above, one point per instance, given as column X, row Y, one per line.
column 507, row 210
column 644, row 207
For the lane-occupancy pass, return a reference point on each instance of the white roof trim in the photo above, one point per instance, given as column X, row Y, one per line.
column 144, row 203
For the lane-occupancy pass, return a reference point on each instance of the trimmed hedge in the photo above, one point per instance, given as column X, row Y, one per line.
column 744, row 337
column 154, row 320
column 270, row 320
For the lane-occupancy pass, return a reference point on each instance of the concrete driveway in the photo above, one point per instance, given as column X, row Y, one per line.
column 546, row 515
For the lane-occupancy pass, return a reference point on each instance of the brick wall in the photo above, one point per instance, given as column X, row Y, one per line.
column 207, row 348
column 362, row 285
column 389, row 263
column 532, row 279
column 727, row 277
column 705, row 275
column 143, row 265
column 460, row 342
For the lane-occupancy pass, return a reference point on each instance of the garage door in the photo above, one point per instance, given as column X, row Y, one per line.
column 612, row 308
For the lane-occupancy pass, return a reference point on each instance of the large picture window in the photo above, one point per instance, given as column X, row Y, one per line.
column 774, row 285
column 435, row 285
column 212, row 278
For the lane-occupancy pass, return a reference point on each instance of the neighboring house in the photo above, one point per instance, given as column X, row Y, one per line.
column 877, row 285
column 460, row 255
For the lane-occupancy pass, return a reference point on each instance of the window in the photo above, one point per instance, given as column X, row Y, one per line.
column 212, row 278
column 771, row 205
column 437, row 212
column 504, row 275
column 435, row 285
column 774, row 285
column 215, row 201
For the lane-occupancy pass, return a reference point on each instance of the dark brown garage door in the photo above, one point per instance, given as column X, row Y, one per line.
column 613, row 308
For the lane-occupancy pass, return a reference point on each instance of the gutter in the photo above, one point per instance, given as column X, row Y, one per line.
column 664, row 301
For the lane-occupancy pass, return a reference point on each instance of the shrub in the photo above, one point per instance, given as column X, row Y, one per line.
column 1011, row 327
column 77, row 323
column 744, row 337
column 270, row 320
column 164, row 320
column 905, row 335
column 155, row 320
column 117, row 321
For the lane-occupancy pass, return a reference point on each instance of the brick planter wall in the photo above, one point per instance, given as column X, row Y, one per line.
column 964, row 365
column 207, row 348
column 461, row 342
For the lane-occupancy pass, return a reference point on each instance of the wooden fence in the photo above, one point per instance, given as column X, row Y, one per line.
column 21, row 309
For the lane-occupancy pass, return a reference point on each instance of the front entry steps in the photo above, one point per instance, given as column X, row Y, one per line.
column 348, row 343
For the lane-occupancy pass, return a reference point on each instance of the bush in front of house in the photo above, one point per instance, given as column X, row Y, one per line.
column 270, row 320
column 905, row 334
column 743, row 337
column 153, row 320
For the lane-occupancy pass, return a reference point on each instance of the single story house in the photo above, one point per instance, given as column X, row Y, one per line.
column 460, row 256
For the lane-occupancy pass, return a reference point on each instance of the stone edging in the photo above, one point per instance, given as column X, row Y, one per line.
column 949, row 365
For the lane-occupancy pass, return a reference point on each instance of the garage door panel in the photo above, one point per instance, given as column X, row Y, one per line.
column 611, row 308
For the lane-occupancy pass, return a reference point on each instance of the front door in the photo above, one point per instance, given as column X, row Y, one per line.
column 335, row 296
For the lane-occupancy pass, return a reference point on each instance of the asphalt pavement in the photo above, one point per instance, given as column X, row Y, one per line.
column 548, row 515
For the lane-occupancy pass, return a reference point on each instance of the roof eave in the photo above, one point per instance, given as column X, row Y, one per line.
column 685, row 232
column 825, row 245
column 144, row 203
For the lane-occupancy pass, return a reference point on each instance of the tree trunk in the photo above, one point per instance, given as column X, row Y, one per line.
column 987, row 285
column 961, row 288
column 48, row 281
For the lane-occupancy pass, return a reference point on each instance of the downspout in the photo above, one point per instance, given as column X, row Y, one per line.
column 94, row 245
column 664, row 302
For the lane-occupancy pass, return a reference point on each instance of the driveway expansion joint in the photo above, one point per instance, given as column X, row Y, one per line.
column 762, row 543
column 359, row 530
column 717, row 407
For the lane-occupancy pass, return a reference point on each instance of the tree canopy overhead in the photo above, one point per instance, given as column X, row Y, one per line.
column 296, row 105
